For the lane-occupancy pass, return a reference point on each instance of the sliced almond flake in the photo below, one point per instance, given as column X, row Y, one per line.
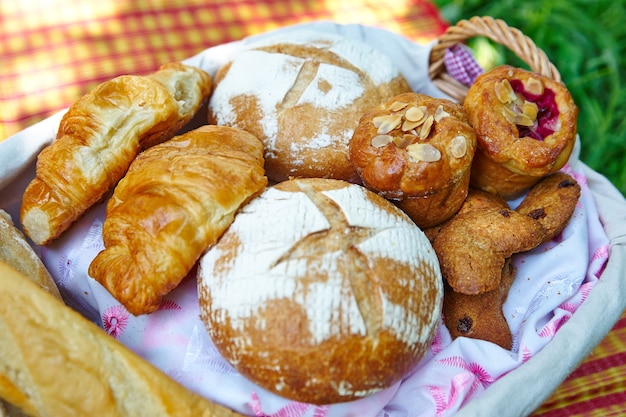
column 397, row 105
column 389, row 123
column 404, row 140
column 408, row 125
column 458, row 146
column 440, row 114
column 523, row 120
column 425, row 130
column 530, row 109
column 534, row 86
column 509, row 114
column 423, row 152
column 414, row 114
column 379, row 141
column 504, row 92
column 378, row 120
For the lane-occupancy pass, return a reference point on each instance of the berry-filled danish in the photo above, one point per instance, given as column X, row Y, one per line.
column 525, row 126
column 417, row 151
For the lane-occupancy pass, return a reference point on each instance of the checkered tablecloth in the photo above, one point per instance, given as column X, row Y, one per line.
column 52, row 52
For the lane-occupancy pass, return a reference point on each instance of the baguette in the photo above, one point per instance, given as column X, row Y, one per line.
column 54, row 362
column 15, row 251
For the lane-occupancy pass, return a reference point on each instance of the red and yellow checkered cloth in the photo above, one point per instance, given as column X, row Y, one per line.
column 54, row 51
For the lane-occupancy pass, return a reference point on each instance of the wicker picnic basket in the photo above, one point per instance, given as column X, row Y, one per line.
column 498, row 31
column 519, row 391
column 524, row 389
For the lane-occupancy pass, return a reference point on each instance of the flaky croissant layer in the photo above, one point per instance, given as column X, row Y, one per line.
column 176, row 200
column 99, row 137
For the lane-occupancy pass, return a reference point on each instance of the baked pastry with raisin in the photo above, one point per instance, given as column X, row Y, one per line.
column 475, row 245
column 481, row 316
column 525, row 126
column 552, row 202
column 417, row 151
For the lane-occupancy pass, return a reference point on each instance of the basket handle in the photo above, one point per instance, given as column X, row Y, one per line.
column 496, row 30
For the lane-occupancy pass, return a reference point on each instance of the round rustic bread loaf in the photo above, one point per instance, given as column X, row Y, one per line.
column 302, row 94
column 321, row 291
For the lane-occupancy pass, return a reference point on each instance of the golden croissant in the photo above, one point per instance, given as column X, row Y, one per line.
column 175, row 201
column 99, row 137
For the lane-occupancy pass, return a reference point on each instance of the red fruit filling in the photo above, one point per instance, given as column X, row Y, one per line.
column 547, row 114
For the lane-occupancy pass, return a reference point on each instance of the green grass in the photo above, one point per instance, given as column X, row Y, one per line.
column 586, row 41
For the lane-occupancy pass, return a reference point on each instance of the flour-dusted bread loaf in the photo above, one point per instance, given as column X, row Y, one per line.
column 303, row 94
column 321, row 291
column 99, row 137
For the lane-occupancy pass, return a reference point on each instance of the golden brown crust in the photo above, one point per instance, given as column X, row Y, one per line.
column 473, row 247
column 424, row 166
column 481, row 200
column 515, row 136
column 552, row 202
column 54, row 362
column 99, row 137
column 16, row 252
column 475, row 200
column 305, row 126
column 480, row 316
column 334, row 299
column 176, row 200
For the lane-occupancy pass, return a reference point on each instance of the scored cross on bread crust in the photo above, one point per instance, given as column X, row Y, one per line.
column 321, row 291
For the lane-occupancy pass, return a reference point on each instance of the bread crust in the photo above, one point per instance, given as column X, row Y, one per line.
column 303, row 96
column 17, row 252
column 431, row 190
column 54, row 362
column 514, row 154
column 99, row 137
column 321, row 291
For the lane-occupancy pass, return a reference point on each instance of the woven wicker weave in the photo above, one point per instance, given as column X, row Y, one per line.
column 496, row 30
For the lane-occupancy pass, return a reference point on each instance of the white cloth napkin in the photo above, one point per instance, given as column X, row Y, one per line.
column 561, row 304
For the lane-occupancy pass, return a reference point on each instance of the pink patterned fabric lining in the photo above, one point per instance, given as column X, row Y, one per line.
column 552, row 282
column 461, row 64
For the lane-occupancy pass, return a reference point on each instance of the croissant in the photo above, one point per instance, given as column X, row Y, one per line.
column 175, row 201
column 98, row 138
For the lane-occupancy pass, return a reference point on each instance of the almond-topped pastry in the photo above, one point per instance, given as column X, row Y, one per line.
column 417, row 151
column 525, row 125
